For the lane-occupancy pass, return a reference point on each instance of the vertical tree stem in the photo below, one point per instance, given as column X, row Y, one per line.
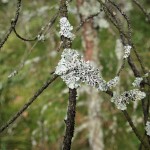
column 70, row 122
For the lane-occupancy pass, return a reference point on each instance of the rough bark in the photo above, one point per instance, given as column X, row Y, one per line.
column 70, row 122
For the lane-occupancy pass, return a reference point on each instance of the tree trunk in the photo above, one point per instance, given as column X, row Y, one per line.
column 90, row 42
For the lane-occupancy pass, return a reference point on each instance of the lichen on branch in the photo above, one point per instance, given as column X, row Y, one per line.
column 73, row 69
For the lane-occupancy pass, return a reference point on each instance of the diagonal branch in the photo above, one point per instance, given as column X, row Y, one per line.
column 143, row 142
column 31, row 100
column 86, row 20
column 142, row 9
column 125, row 38
column 129, row 38
column 134, row 129
column 13, row 24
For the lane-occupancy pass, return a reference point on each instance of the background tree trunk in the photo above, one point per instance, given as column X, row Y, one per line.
column 90, row 42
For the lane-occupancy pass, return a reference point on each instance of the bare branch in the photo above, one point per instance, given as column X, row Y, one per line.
column 142, row 9
column 125, row 38
column 129, row 37
column 31, row 100
column 86, row 20
column 49, row 25
column 70, row 122
column 20, row 37
column 145, row 144
column 134, row 129
column 13, row 24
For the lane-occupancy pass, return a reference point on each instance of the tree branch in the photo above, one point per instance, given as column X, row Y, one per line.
column 134, row 129
column 48, row 26
column 70, row 122
column 85, row 20
column 23, row 39
column 31, row 100
column 13, row 24
column 143, row 142
column 142, row 9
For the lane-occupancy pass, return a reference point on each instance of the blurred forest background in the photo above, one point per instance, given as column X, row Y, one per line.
column 25, row 66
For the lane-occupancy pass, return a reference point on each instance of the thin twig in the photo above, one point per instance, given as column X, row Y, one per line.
column 131, row 63
column 134, row 129
column 145, row 144
column 31, row 100
column 85, row 20
column 142, row 9
column 43, row 29
column 145, row 103
column 133, row 67
column 129, row 37
column 22, row 38
column 13, row 24
column 125, row 38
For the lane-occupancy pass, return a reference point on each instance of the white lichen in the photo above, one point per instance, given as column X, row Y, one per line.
column 74, row 70
column 113, row 82
column 122, row 100
column 66, row 28
column 137, row 82
column 127, row 50
column 12, row 74
column 147, row 128
column 41, row 37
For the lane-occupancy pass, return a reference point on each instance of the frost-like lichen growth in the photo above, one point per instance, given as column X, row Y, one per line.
column 41, row 37
column 122, row 100
column 147, row 128
column 66, row 28
column 137, row 82
column 113, row 82
column 74, row 70
column 146, row 75
column 67, row 68
column 12, row 74
column 127, row 50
